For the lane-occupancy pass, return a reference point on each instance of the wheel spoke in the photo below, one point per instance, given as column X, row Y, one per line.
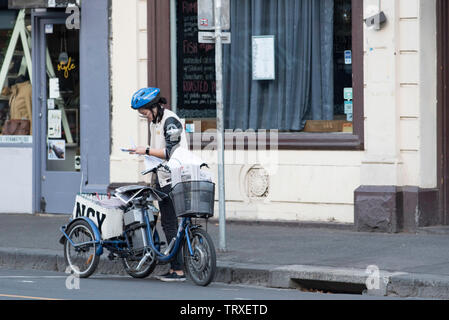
column 201, row 266
column 82, row 260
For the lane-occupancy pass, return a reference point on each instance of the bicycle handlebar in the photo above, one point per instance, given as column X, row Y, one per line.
column 155, row 169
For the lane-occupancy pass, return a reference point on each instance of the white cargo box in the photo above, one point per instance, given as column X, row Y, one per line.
column 104, row 212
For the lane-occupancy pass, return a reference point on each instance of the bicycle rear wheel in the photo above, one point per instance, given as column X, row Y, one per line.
column 82, row 260
column 201, row 266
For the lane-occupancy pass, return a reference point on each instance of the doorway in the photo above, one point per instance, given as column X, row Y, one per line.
column 57, row 146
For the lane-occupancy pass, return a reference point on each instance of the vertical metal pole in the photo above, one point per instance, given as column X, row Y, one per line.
column 174, row 62
column 220, row 125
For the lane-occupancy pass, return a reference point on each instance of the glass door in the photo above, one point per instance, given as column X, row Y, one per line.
column 60, row 116
column 63, row 99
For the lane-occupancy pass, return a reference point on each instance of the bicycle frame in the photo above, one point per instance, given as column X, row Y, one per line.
column 183, row 231
column 119, row 245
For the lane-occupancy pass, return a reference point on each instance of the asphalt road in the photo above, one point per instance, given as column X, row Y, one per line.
column 45, row 285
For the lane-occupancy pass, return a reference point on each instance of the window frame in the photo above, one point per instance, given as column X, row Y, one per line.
column 287, row 141
column 23, row 144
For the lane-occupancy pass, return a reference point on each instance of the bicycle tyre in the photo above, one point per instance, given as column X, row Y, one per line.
column 202, row 266
column 82, row 261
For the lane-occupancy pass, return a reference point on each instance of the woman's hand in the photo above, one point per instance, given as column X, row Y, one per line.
column 141, row 151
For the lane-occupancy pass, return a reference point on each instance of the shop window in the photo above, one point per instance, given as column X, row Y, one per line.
column 195, row 67
column 311, row 89
column 63, row 104
column 15, row 86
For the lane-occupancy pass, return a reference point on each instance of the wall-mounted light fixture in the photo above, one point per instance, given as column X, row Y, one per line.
column 376, row 21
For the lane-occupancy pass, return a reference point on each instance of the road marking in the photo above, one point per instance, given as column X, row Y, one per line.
column 32, row 277
column 25, row 297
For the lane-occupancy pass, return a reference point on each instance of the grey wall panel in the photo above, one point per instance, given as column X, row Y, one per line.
column 95, row 95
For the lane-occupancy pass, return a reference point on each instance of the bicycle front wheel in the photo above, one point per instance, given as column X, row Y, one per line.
column 202, row 265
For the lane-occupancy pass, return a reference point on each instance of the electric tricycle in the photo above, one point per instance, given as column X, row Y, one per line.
column 138, row 244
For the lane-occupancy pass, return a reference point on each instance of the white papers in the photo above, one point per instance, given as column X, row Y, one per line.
column 264, row 58
column 54, row 124
column 133, row 144
column 48, row 28
column 54, row 88
column 185, row 166
column 152, row 162
column 184, row 156
column 126, row 198
column 113, row 203
column 51, row 104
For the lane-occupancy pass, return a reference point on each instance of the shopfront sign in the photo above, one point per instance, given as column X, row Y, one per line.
column 66, row 67
column 16, row 139
column 28, row 4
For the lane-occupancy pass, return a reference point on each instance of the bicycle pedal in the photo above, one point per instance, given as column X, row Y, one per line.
column 111, row 257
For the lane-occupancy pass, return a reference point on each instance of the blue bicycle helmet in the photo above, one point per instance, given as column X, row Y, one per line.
column 144, row 96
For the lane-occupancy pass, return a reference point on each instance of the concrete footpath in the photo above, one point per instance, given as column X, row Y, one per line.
column 309, row 257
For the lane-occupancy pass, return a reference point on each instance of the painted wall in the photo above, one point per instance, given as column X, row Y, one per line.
column 128, row 74
column 95, row 95
column 295, row 185
column 400, row 95
column 16, row 195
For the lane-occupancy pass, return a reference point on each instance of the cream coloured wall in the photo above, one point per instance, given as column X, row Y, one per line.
column 304, row 185
column 428, row 94
column 400, row 95
column 128, row 74
column 400, row 123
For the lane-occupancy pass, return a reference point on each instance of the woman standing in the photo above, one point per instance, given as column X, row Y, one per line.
column 167, row 134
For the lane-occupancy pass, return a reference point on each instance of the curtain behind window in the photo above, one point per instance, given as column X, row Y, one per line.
column 303, row 89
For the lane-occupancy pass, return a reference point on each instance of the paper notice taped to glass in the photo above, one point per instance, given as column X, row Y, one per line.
column 264, row 57
column 54, row 88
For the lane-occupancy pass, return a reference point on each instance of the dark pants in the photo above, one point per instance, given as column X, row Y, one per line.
column 169, row 223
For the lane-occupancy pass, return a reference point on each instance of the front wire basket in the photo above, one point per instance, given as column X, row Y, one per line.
column 193, row 199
